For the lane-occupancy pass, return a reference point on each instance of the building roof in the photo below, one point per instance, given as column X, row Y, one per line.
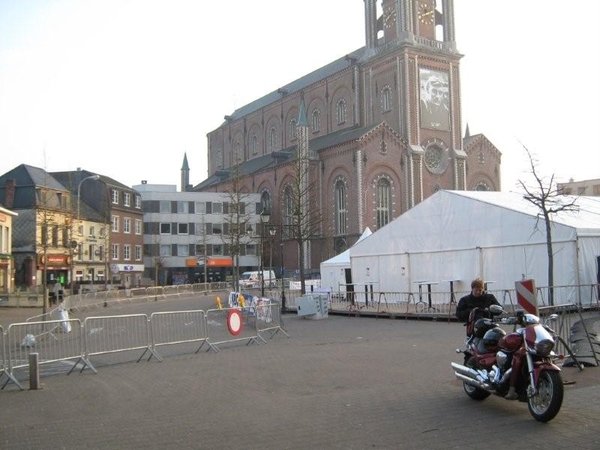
column 286, row 155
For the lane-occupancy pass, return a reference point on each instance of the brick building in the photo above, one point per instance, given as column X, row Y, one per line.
column 378, row 131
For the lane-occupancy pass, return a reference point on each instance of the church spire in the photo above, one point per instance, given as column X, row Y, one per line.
column 185, row 174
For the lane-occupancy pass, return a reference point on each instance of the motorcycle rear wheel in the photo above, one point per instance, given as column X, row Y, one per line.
column 546, row 403
column 474, row 392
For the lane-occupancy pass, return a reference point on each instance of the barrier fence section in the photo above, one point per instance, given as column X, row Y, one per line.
column 268, row 318
column 565, row 331
column 53, row 340
column 112, row 334
column 230, row 325
column 169, row 328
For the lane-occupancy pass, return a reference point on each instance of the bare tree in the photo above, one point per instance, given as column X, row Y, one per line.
column 547, row 198
column 237, row 219
column 303, row 222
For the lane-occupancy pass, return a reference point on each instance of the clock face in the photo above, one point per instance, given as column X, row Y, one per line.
column 389, row 17
column 426, row 13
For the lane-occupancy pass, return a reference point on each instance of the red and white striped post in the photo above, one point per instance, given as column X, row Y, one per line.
column 526, row 296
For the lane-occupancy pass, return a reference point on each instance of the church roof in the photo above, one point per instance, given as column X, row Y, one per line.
column 286, row 155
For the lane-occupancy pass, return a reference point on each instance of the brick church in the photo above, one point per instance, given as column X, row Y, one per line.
column 377, row 130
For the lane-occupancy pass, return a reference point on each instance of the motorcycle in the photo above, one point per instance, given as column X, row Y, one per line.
column 491, row 355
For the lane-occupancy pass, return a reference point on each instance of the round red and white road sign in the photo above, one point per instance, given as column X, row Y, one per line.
column 234, row 322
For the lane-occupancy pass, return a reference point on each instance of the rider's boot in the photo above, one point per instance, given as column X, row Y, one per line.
column 512, row 394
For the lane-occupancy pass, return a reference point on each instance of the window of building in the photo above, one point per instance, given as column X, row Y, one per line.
column 217, row 228
column 341, row 210
column 92, row 231
column 217, row 208
column 126, row 199
column 90, row 252
column 55, row 234
column 183, row 207
column 165, row 250
column 101, row 252
column 165, row 207
column 200, row 207
column 138, row 226
column 115, row 224
column 138, row 202
column 251, row 249
column 254, row 144
column 386, row 99
column 183, row 250
column 341, row 111
column 127, row 225
column 199, row 250
column 127, row 252
column 217, row 249
column 114, row 196
column 293, row 129
column 115, row 252
column 273, row 139
column 316, row 121
column 182, row 228
column 288, row 211
column 165, row 228
column 138, row 252
column 384, row 202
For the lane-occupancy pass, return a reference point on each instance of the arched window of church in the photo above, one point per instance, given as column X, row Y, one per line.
column 482, row 186
column 254, row 144
column 384, row 202
column 386, row 99
column 265, row 201
column 341, row 209
column 341, row 111
column 288, row 212
column 273, row 139
column 293, row 130
column 316, row 121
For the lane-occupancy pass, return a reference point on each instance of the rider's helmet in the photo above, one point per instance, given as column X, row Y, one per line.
column 481, row 326
column 491, row 338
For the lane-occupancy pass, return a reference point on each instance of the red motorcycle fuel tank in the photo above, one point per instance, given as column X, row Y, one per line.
column 511, row 342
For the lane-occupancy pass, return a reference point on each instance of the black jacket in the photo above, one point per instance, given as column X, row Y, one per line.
column 468, row 302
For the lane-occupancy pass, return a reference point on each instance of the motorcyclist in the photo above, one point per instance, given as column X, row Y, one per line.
column 478, row 298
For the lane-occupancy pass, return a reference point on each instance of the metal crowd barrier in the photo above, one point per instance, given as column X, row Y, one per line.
column 168, row 328
column 112, row 334
column 53, row 340
column 268, row 319
column 231, row 325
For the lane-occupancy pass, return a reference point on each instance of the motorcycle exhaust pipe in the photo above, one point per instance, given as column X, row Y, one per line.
column 472, row 382
column 468, row 372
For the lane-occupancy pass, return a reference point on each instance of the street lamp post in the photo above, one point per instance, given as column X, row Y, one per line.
column 91, row 177
column 264, row 219
column 283, row 305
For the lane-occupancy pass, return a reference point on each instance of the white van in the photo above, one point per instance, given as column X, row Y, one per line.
column 252, row 279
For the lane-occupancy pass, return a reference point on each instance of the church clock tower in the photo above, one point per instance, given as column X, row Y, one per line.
column 418, row 36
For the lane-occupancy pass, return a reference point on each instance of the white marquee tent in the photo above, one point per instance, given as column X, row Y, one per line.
column 333, row 270
column 460, row 235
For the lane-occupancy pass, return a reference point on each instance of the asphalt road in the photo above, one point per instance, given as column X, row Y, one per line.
column 337, row 383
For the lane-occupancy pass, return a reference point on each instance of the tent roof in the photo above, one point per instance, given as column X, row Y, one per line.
column 344, row 257
column 467, row 219
column 586, row 216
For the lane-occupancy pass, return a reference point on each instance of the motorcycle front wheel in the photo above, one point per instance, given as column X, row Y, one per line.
column 546, row 403
column 474, row 392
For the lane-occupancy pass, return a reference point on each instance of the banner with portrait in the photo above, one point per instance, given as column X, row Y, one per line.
column 435, row 99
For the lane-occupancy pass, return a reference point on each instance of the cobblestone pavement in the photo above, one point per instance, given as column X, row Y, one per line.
column 337, row 383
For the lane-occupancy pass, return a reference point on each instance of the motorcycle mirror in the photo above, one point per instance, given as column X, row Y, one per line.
column 496, row 309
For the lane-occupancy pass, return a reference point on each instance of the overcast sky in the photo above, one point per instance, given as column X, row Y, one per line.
column 125, row 87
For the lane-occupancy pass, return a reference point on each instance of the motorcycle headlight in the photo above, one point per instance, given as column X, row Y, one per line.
column 544, row 347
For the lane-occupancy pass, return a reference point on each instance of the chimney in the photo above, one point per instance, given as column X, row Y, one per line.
column 11, row 185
